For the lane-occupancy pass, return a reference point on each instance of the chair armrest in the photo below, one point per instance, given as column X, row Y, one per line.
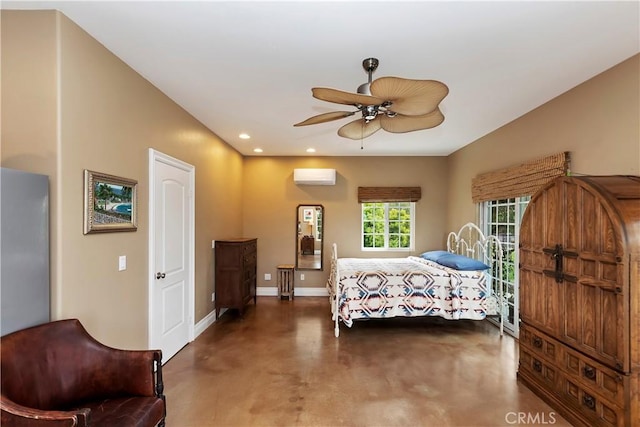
column 13, row 414
column 138, row 372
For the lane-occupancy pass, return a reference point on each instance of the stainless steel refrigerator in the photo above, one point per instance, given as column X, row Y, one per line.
column 24, row 250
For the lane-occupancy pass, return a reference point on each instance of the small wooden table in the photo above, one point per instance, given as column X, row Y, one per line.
column 285, row 281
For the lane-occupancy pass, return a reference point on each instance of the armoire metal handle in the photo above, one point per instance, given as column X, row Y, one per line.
column 537, row 366
column 589, row 401
column 589, row 372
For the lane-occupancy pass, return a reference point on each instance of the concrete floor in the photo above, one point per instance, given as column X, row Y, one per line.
column 280, row 365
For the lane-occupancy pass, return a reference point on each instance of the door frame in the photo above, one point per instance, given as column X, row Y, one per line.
column 483, row 214
column 154, row 157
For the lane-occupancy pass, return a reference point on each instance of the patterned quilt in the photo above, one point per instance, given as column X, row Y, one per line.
column 409, row 287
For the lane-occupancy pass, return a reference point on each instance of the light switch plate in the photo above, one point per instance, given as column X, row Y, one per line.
column 122, row 262
column 267, row 276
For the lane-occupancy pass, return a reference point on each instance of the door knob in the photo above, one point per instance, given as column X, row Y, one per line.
column 160, row 275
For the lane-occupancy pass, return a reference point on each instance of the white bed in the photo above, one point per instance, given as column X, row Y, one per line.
column 375, row 288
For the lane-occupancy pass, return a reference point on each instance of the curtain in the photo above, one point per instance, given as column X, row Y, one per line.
column 521, row 180
column 389, row 194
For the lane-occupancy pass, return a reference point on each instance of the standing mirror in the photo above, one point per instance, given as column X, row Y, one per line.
column 309, row 237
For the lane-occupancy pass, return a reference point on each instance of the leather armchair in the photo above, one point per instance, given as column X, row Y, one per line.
column 56, row 374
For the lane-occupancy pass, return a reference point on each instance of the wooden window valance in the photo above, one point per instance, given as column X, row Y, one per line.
column 521, row 180
column 389, row 194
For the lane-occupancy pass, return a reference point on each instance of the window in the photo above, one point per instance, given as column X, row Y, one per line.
column 318, row 224
column 502, row 219
column 388, row 226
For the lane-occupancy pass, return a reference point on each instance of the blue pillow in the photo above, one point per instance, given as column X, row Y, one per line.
column 461, row 262
column 434, row 255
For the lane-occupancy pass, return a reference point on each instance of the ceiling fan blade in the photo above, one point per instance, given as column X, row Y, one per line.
column 358, row 129
column 402, row 124
column 410, row 97
column 346, row 98
column 326, row 117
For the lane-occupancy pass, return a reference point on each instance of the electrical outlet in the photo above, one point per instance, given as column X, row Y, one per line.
column 267, row 276
column 213, row 296
column 302, row 277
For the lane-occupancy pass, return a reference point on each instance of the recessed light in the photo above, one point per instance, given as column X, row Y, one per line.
column 244, row 136
column 311, row 150
column 257, row 150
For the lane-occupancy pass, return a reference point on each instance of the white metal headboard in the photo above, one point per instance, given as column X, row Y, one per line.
column 471, row 241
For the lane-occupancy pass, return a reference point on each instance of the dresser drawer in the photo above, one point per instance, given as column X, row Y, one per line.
column 539, row 343
column 583, row 369
column 597, row 377
column 593, row 407
column 538, row 368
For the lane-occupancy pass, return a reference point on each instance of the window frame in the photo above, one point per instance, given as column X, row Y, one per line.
column 386, row 234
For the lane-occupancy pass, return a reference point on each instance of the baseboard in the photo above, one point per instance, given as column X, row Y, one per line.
column 267, row 291
column 202, row 325
column 272, row 291
column 310, row 292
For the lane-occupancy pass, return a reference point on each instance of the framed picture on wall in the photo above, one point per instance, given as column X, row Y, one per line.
column 307, row 215
column 109, row 203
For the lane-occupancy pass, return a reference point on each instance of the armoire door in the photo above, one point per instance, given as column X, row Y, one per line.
column 541, row 297
column 593, row 276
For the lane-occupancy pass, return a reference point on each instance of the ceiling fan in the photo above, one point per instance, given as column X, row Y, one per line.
column 391, row 103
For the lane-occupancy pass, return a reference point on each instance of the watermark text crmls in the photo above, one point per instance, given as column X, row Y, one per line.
column 535, row 418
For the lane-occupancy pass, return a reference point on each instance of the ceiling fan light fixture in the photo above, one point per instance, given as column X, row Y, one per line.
column 369, row 112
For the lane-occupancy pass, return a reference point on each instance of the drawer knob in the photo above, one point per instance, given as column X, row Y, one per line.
column 589, row 372
column 589, row 401
column 537, row 366
column 537, row 342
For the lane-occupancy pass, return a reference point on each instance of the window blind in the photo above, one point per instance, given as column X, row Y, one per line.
column 389, row 194
column 522, row 180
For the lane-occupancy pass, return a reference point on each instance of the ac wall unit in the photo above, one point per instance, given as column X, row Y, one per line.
column 314, row 176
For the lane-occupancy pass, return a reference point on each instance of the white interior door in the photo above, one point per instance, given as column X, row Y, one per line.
column 171, row 248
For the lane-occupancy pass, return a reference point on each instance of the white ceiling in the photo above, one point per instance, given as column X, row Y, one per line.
column 242, row 66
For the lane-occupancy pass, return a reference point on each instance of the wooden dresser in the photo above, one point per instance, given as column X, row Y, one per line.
column 235, row 273
column 307, row 245
column 580, row 299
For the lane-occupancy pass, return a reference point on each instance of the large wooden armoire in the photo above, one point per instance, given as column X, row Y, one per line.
column 580, row 299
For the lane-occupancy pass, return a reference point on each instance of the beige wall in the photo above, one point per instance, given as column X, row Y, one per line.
column 108, row 117
column 598, row 122
column 29, row 110
column 270, row 198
